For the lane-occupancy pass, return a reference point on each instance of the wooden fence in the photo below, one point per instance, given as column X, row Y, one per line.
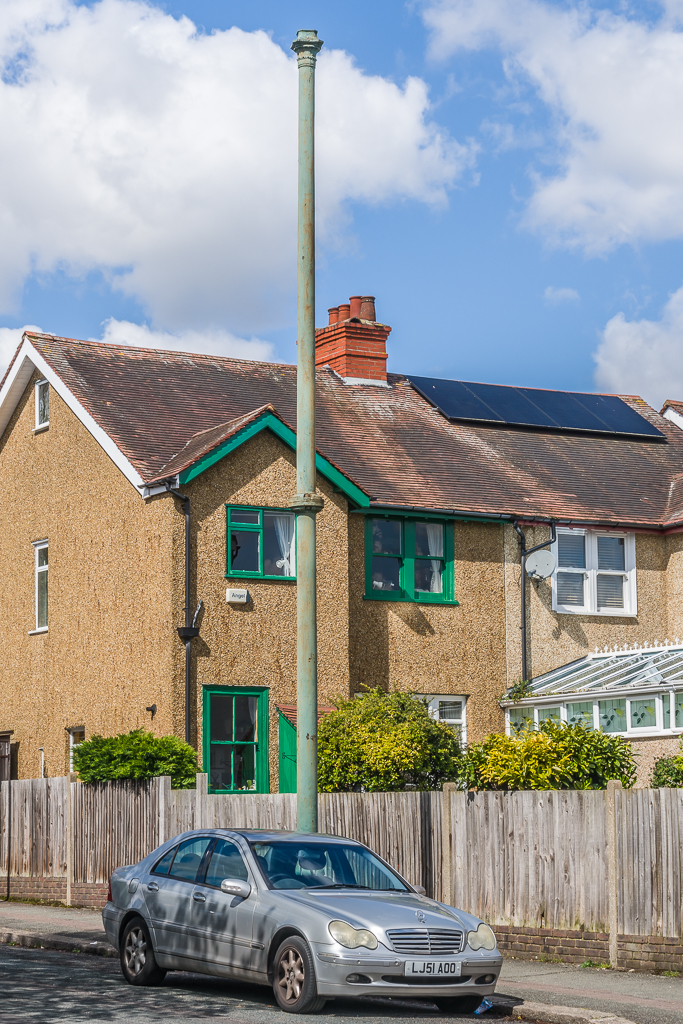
column 587, row 861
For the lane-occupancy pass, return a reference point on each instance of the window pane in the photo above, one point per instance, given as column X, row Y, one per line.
column 188, row 858
column 548, row 714
column 245, row 769
column 580, row 714
column 450, row 710
column 221, row 767
column 245, row 718
column 610, row 591
column 571, row 550
column 666, row 710
column 43, row 403
column 42, row 556
column 241, row 515
column 162, row 866
column 611, row 553
column 429, row 576
column 226, row 862
column 643, row 714
column 612, row 715
column 678, row 711
column 244, row 551
column 429, row 540
column 386, row 537
column 278, row 544
column 521, row 719
column 386, row 574
column 570, row 588
column 42, row 599
column 221, row 716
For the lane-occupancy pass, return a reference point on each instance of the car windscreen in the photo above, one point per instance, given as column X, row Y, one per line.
column 291, row 864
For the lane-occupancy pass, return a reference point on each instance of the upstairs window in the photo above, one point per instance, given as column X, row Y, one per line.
column 76, row 737
column 409, row 560
column 40, row 583
column 261, row 543
column 42, row 404
column 595, row 573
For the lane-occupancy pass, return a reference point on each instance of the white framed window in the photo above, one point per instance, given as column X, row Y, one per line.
column 652, row 714
column 40, row 577
column 595, row 573
column 76, row 737
column 42, row 405
column 451, row 709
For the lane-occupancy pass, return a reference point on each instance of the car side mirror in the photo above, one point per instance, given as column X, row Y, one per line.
column 420, row 890
column 235, row 887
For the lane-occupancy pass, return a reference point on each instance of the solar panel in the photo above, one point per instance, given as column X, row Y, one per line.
column 532, row 407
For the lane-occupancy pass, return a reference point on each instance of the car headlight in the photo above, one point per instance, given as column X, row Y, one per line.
column 483, row 938
column 352, row 937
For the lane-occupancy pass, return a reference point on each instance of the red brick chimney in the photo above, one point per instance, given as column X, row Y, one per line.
column 353, row 344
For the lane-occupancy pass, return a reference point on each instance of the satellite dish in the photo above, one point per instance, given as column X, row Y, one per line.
column 540, row 565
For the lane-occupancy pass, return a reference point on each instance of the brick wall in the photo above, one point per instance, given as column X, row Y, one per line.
column 639, row 952
column 54, row 889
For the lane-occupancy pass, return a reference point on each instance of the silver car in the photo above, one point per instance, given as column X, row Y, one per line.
column 314, row 916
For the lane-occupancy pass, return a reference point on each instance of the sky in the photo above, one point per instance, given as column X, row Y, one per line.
column 505, row 176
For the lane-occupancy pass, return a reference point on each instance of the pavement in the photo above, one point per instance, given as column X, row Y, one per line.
column 49, row 980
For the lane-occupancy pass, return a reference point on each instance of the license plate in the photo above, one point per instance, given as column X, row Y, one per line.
column 433, row 968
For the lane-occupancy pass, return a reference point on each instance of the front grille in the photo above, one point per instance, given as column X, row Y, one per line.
column 423, row 941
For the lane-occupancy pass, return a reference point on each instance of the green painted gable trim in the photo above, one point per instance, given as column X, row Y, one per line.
column 270, row 422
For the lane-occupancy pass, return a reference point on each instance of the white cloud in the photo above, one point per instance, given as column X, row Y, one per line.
column 554, row 296
column 644, row 357
column 614, row 88
column 212, row 342
column 134, row 144
column 10, row 339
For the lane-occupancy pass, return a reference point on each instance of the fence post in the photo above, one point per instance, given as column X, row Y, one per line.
column 164, row 808
column 69, row 836
column 200, row 807
column 447, row 843
column 613, row 870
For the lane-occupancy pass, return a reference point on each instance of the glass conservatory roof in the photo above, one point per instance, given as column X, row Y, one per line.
column 641, row 668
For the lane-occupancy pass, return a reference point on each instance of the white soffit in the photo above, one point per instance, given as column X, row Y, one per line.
column 29, row 359
column 674, row 416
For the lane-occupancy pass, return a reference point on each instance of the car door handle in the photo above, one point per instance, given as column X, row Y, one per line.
column 199, row 897
column 152, row 887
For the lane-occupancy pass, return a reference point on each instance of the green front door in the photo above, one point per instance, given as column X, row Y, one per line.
column 236, row 739
column 287, row 758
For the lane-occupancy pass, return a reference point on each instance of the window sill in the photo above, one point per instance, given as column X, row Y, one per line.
column 387, row 596
column 613, row 613
column 254, row 576
column 41, row 429
column 35, row 632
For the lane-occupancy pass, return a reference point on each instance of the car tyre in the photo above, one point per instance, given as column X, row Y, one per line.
column 459, row 1004
column 138, row 963
column 294, row 983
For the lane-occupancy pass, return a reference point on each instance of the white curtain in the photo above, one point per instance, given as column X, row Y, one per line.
column 435, row 549
column 284, row 531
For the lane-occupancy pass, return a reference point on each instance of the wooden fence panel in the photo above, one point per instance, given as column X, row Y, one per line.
column 115, row 823
column 38, row 828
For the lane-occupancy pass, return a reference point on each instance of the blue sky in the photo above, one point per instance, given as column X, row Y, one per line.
column 549, row 232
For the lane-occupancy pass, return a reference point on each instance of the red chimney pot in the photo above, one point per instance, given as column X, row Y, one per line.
column 334, row 314
column 367, row 308
column 344, row 311
column 354, row 305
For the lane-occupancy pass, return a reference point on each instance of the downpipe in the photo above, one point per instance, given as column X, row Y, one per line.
column 525, row 554
column 190, row 629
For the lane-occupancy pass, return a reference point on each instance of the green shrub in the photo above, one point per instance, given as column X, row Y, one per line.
column 668, row 771
column 136, row 755
column 556, row 756
column 384, row 741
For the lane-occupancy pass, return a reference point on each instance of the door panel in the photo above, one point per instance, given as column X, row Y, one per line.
column 169, row 897
column 223, row 922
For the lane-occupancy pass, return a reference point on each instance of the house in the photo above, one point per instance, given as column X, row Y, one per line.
column 109, row 453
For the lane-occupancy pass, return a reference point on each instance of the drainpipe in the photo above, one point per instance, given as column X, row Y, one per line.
column 306, row 502
column 525, row 553
column 190, row 629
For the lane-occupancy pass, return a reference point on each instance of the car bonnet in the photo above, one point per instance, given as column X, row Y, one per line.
column 375, row 909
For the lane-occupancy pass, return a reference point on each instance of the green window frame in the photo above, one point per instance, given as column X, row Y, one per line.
column 250, row 525
column 407, row 559
column 235, row 739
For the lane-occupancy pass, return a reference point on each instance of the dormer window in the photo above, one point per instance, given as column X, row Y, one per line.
column 42, row 405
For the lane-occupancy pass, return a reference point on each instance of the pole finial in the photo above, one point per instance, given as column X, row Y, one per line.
column 307, row 45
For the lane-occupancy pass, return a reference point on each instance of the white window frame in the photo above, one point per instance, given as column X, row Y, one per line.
column 45, row 423
column 433, row 708
column 590, row 575
column 40, row 545
column 72, row 746
column 630, row 732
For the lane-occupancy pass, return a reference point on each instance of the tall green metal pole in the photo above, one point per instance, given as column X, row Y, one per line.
column 306, row 502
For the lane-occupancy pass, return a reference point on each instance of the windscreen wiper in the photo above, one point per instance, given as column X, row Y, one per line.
column 340, row 885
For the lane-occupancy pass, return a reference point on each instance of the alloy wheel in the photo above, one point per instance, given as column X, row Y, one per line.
column 136, row 950
column 291, row 975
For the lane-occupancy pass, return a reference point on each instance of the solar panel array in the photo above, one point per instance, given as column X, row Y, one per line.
column 531, row 407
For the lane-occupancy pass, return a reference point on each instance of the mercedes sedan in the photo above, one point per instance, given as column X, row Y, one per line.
column 313, row 916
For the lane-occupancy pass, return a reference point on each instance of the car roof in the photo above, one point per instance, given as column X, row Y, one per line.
column 267, row 835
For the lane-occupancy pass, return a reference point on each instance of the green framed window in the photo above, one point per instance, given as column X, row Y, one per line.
column 235, row 745
column 409, row 559
column 261, row 542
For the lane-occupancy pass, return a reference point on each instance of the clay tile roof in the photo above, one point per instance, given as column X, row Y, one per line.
column 163, row 409
column 671, row 404
column 288, row 711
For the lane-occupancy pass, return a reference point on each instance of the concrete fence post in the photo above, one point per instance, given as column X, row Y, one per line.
column 613, row 870
column 201, row 801
column 164, row 808
column 447, row 843
column 69, row 835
